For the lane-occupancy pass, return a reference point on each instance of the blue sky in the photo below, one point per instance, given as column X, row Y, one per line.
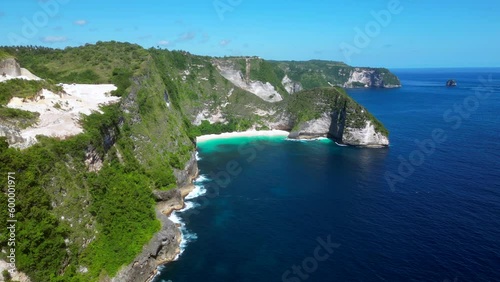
column 412, row 33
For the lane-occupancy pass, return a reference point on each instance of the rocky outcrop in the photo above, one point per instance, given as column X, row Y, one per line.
column 10, row 67
column 291, row 86
column 340, row 118
column 186, row 176
column 163, row 247
column 93, row 160
column 333, row 125
column 14, row 274
column 360, row 77
column 13, row 135
column 451, row 83
column 365, row 137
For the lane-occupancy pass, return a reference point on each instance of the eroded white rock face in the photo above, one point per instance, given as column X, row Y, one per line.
column 323, row 127
column 367, row 77
column 265, row 91
column 10, row 67
column 211, row 117
column 366, row 136
column 291, row 86
column 360, row 76
column 15, row 274
column 60, row 113
column 318, row 128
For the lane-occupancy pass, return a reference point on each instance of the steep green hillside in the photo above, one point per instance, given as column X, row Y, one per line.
column 193, row 84
column 79, row 225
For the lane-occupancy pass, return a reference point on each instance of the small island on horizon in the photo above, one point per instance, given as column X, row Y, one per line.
column 451, row 83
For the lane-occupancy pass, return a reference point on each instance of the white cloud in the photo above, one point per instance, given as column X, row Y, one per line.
column 54, row 39
column 164, row 42
column 225, row 42
column 81, row 22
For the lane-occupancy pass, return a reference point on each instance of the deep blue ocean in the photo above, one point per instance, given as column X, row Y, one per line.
column 425, row 209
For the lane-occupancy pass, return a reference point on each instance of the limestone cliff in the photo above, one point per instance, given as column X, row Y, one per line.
column 264, row 90
column 290, row 85
column 370, row 78
column 329, row 112
column 10, row 67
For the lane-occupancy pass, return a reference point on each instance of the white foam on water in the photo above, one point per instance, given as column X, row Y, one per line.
column 186, row 235
column 198, row 156
column 202, row 178
column 307, row 140
column 341, row 145
column 296, row 140
column 198, row 190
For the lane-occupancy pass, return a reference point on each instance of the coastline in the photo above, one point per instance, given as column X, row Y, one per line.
column 175, row 200
column 251, row 133
column 164, row 211
column 165, row 245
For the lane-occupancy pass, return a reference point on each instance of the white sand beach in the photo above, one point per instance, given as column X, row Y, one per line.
column 251, row 133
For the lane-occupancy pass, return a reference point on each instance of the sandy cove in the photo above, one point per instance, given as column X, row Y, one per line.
column 251, row 133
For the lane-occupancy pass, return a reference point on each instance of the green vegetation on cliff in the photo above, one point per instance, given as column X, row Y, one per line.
column 86, row 64
column 4, row 55
column 76, row 224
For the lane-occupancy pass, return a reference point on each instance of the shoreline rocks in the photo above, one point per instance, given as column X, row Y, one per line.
column 165, row 244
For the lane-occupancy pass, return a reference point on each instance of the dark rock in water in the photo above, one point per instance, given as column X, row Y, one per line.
column 451, row 83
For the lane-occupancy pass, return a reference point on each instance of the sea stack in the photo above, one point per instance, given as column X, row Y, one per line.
column 451, row 83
